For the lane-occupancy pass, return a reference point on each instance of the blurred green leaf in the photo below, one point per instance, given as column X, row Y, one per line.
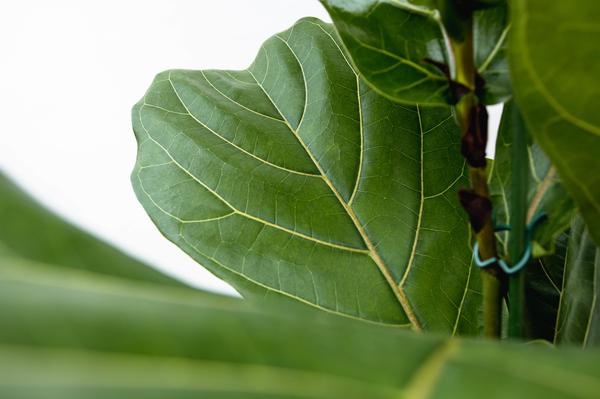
column 389, row 41
column 31, row 231
column 556, row 75
column 293, row 179
column 68, row 333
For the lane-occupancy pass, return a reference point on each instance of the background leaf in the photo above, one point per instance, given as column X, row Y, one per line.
column 389, row 40
column 29, row 230
column 556, row 75
column 293, row 179
column 543, row 288
column 579, row 314
column 490, row 39
column 546, row 192
column 546, row 195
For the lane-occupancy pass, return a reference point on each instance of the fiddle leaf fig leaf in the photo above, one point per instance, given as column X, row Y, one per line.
column 543, row 288
column 556, row 75
column 490, row 38
column 547, row 194
column 562, row 290
column 394, row 44
column 388, row 42
column 293, row 179
column 67, row 333
column 30, row 231
column 578, row 320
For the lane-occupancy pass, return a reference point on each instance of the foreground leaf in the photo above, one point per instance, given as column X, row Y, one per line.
column 72, row 334
column 389, row 41
column 554, row 68
column 29, row 230
column 293, row 179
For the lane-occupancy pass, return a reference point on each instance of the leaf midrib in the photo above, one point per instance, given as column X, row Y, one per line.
column 373, row 253
column 234, row 209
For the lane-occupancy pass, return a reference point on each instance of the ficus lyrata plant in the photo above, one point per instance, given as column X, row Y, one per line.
column 341, row 185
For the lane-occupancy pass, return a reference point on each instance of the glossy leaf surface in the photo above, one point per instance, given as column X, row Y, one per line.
column 556, row 75
column 70, row 333
column 294, row 179
column 389, row 41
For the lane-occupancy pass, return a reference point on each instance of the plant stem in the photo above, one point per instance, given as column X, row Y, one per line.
column 518, row 217
column 472, row 119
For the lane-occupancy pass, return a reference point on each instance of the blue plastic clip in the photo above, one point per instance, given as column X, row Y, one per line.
column 526, row 254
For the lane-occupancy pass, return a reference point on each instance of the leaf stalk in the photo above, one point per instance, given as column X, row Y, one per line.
column 518, row 216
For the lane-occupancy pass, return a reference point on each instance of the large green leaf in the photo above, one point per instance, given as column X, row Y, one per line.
column 294, row 179
column 31, row 231
column 547, row 194
column 70, row 333
column 579, row 313
column 556, row 75
column 388, row 41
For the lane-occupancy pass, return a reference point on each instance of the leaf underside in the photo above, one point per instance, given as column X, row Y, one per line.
column 294, row 179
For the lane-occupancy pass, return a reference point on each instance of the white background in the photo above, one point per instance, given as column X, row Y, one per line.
column 70, row 72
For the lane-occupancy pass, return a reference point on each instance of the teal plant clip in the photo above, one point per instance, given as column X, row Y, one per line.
column 508, row 269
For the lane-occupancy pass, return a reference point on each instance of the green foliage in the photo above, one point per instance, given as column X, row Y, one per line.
column 556, row 75
column 546, row 193
column 563, row 288
column 323, row 175
column 389, row 42
column 294, row 179
column 30, row 231
column 579, row 315
column 73, row 333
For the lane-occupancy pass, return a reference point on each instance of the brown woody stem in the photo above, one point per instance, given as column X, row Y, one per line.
column 472, row 119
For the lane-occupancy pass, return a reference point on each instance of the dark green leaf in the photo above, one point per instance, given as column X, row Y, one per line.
column 543, row 279
column 579, row 314
column 490, row 38
column 293, row 179
column 556, row 75
column 70, row 334
column 29, row 230
column 389, row 41
column 546, row 192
